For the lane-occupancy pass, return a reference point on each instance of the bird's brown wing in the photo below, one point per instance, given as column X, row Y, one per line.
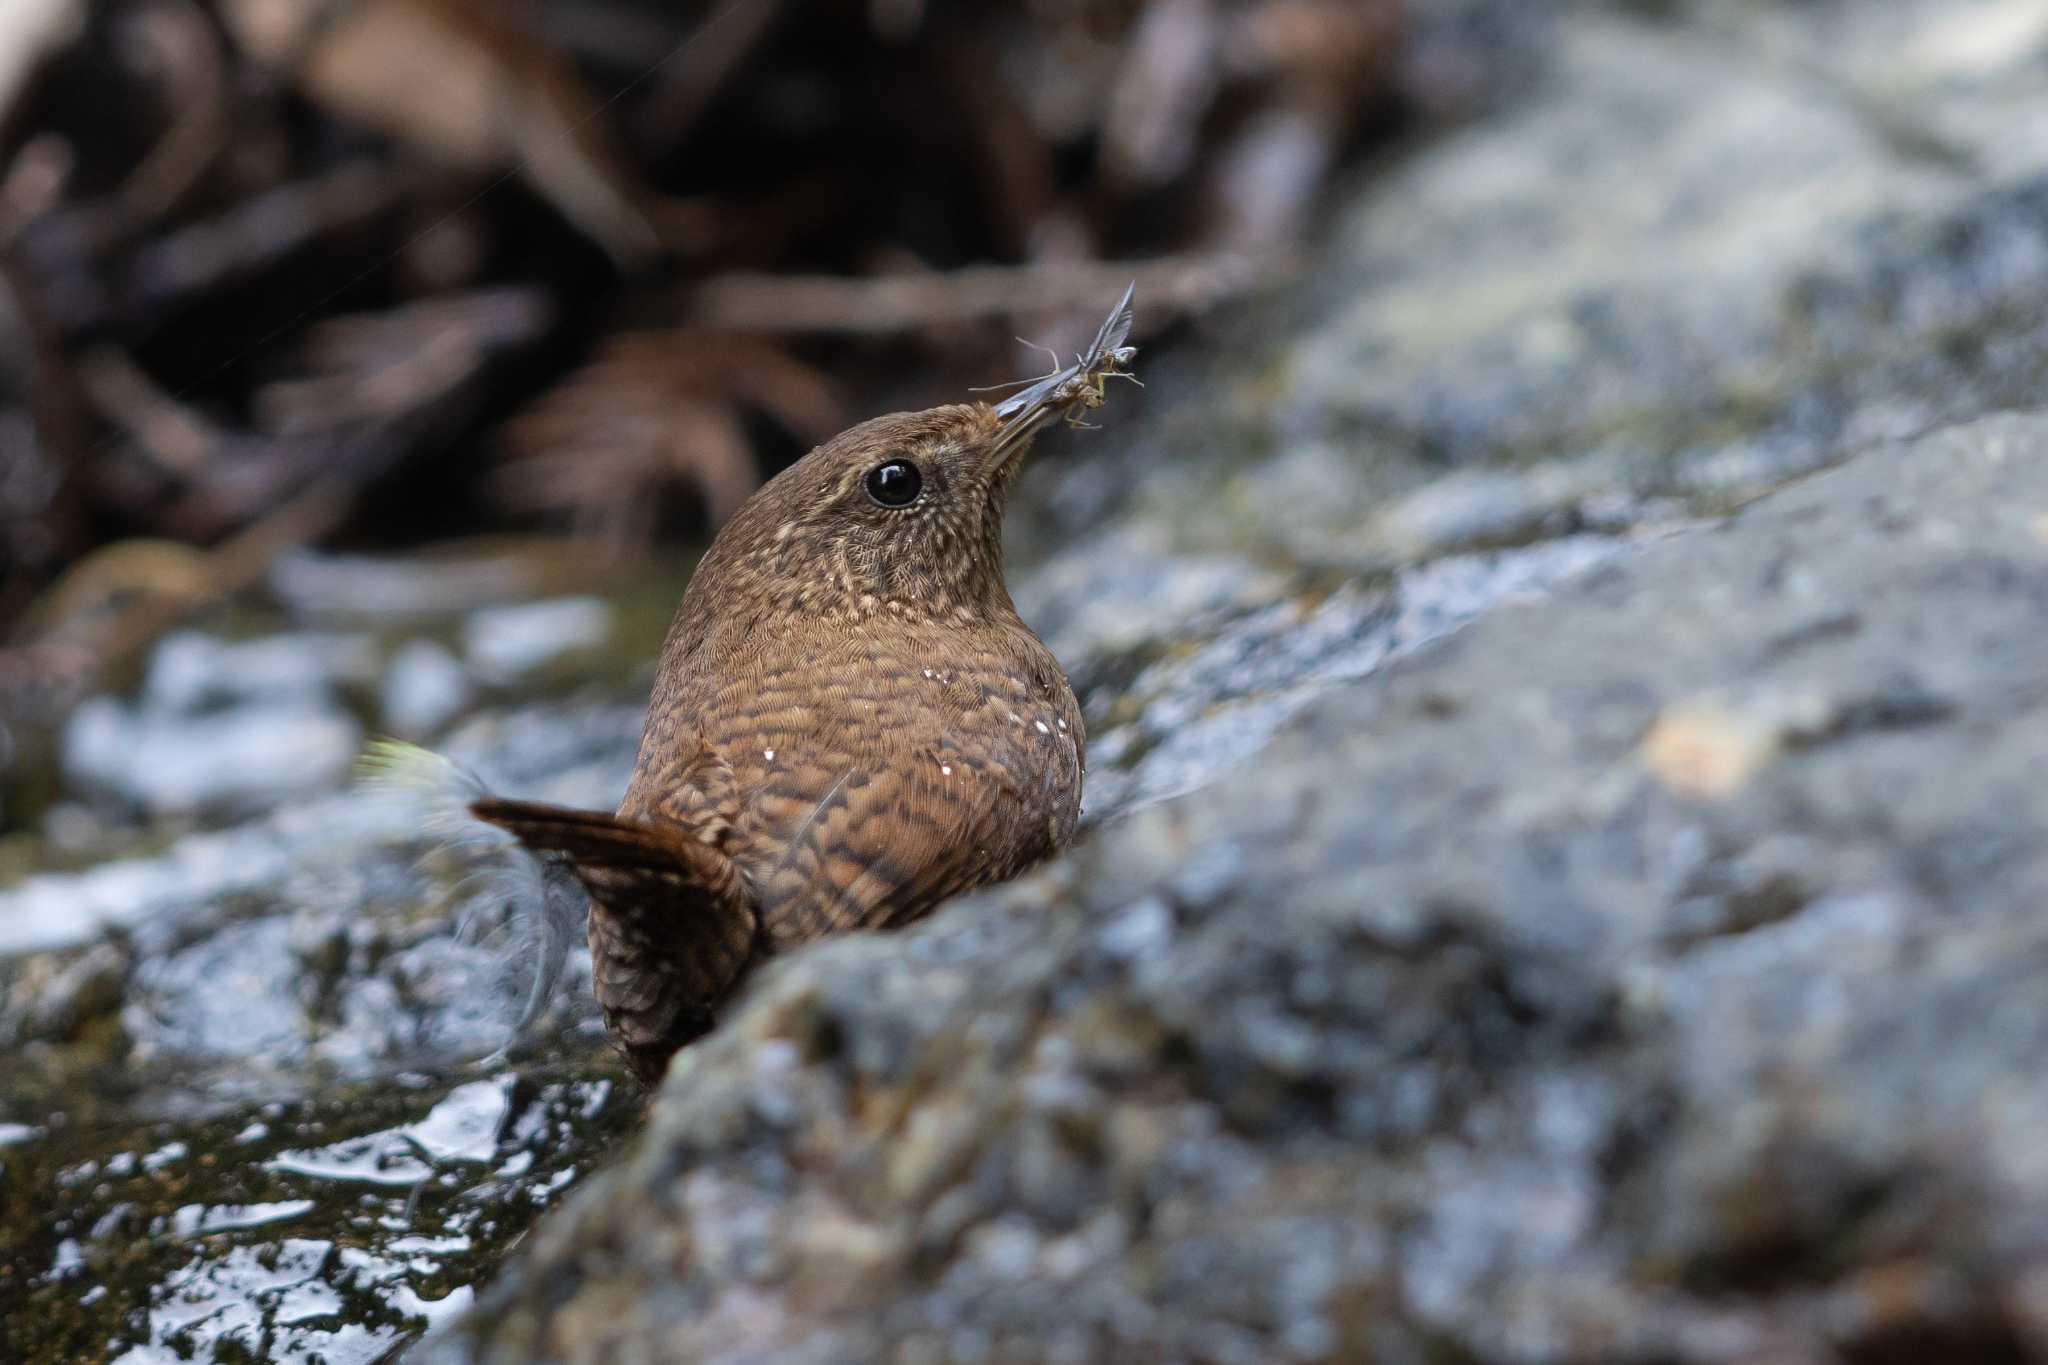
column 670, row 926
column 869, row 845
column 688, row 784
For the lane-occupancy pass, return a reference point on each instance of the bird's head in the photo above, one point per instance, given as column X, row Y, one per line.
column 902, row 514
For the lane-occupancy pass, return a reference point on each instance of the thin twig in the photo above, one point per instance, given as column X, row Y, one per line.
column 183, row 44
column 175, row 437
column 171, row 580
column 824, row 303
column 76, row 246
column 33, row 184
column 708, row 58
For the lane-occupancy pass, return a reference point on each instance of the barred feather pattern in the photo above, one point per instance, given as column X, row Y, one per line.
column 671, row 927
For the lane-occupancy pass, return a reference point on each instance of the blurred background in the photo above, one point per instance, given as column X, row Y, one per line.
column 554, row 285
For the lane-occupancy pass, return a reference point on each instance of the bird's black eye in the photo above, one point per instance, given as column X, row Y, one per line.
column 894, row 483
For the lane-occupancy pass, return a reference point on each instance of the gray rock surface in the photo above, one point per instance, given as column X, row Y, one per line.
column 1508, row 1008
column 1695, row 248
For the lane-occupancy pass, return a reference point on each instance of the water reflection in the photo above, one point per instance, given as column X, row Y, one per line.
column 359, row 1237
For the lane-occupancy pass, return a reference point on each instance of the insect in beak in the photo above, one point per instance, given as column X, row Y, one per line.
column 1071, row 391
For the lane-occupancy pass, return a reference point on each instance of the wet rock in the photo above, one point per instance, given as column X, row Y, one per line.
column 280, row 1110
column 424, row 689
column 190, row 673
column 230, row 762
column 1459, row 1021
column 316, row 934
column 54, row 1001
column 223, row 728
column 502, row 643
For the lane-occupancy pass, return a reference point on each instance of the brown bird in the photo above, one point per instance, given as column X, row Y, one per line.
column 850, row 724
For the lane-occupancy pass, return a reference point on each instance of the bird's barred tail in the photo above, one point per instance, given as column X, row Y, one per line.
column 670, row 926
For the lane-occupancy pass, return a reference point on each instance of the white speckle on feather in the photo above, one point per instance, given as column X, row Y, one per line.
column 946, row 769
column 768, row 754
column 1043, row 728
column 1062, row 725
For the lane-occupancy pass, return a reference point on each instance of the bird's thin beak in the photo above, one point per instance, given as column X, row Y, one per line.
column 1031, row 409
column 1014, row 436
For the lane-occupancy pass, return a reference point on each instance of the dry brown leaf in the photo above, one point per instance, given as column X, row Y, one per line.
column 1327, row 48
column 378, row 367
column 466, row 88
column 177, row 43
column 654, row 410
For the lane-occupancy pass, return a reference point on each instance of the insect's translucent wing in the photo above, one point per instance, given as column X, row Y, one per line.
column 1117, row 326
column 1025, row 400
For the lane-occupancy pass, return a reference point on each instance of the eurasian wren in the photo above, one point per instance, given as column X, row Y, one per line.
column 850, row 723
